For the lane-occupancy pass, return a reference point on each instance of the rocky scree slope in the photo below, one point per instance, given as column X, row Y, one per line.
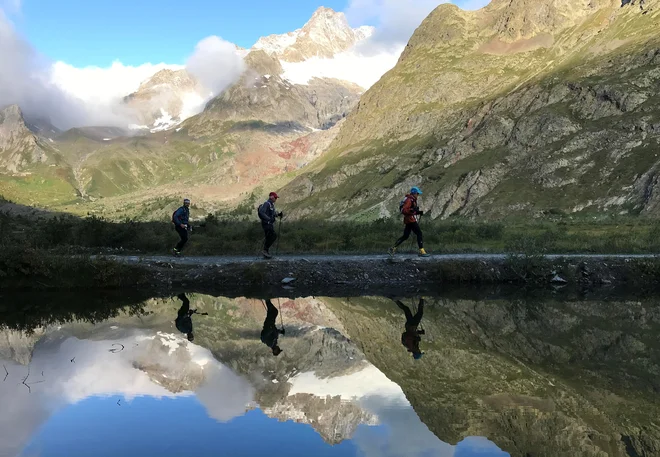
column 519, row 108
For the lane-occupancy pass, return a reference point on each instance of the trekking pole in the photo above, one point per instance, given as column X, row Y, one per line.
column 279, row 234
column 279, row 309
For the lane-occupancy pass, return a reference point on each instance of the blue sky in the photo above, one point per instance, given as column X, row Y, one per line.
column 84, row 32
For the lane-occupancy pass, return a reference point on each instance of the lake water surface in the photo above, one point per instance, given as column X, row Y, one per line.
column 90, row 376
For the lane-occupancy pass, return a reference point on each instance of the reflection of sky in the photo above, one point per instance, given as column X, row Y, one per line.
column 172, row 427
column 74, row 411
column 403, row 434
column 181, row 426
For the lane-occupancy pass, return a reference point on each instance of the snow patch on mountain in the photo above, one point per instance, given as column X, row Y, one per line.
column 363, row 70
column 276, row 44
column 366, row 382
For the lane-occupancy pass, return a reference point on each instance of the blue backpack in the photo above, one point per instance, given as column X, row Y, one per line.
column 401, row 203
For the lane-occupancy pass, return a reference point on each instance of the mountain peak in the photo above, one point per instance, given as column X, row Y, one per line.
column 12, row 124
column 11, row 113
column 324, row 11
column 326, row 33
column 174, row 78
column 327, row 16
column 18, row 146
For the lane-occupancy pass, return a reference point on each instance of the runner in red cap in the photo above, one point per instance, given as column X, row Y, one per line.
column 268, row 215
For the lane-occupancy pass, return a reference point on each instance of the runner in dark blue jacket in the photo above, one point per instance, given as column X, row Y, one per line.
column 180, row 218
column 268, row 215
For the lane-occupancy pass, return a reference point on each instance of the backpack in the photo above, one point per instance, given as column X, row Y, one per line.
column 401, row 203
column 259, row 209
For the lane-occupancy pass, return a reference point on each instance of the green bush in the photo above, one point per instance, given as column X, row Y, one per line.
column 220, row 234
column 490, row 231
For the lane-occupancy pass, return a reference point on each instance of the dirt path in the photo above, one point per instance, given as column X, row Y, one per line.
column 339, row 274
column 434, row 259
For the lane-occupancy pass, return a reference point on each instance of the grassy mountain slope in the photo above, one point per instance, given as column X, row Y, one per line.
column 519, row 108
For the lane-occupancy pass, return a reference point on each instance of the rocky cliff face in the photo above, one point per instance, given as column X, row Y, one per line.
column 521, row 107
column 19, row 147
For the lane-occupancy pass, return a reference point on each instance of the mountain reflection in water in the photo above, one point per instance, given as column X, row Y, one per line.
column 551, row 379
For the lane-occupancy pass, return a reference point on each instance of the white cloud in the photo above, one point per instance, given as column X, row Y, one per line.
column 215, row 63
column 96, row 372
column 407, row 435
column 72, row 97
column 34, row 83
column 97, row 85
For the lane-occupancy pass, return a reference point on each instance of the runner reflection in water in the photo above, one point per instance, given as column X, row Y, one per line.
column 411, row 337
column 184, row 321
column 270, row 332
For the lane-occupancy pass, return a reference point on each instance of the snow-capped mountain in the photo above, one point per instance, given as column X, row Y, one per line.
column 171, row 96
column 326, row 34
